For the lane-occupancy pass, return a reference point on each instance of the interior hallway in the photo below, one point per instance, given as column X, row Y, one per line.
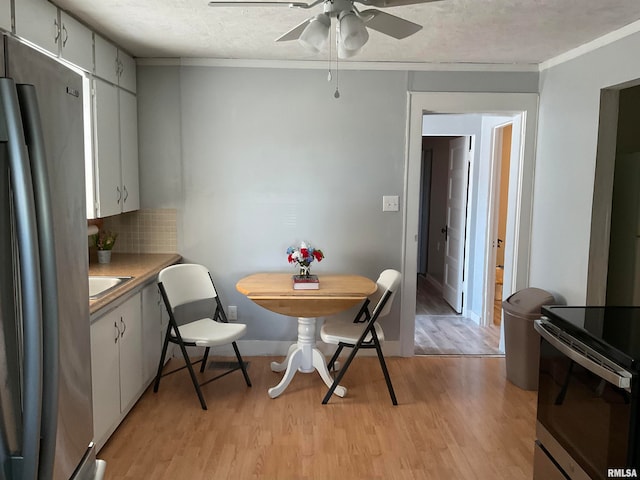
column 440, row 331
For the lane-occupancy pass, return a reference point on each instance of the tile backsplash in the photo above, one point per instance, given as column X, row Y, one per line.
column 145, row 231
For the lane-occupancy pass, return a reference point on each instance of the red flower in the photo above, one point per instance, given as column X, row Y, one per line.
column 318, row 255
column 304, row 252
column 290, row 258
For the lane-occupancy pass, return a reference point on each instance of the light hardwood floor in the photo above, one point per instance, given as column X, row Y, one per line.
column 457, row 418
column 429, row 299
column 440, row 331
column 454, row 335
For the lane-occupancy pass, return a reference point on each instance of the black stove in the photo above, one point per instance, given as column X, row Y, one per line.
column 612, row 331
column 588, row 418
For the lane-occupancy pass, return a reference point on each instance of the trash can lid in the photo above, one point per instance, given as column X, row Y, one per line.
column 528, row 302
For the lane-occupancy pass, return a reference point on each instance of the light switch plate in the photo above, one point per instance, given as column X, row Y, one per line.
column 232, row 312
column 390, row 203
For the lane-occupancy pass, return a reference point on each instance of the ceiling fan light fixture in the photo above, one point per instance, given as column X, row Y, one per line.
column 344, row 53
column 353, row 33
column 315, row 35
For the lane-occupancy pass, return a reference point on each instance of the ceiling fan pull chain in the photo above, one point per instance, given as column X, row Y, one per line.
column 329, row 42
column 337, row 92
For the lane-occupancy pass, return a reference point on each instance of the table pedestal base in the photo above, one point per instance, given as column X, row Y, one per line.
column 303, row 357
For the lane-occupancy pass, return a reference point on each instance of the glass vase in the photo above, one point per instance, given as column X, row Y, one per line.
column 305, row 270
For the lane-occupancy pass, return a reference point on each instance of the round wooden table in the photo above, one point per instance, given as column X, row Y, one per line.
column 274, row 291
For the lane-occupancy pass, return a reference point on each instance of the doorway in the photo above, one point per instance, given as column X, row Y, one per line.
column 441, row 326
column 502, row 145
column 614, row 252
column 524, row 108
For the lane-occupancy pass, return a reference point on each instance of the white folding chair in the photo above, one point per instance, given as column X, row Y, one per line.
column 364, row 331
column 184, row 284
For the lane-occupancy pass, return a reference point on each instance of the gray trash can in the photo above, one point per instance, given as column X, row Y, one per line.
column 521, row 341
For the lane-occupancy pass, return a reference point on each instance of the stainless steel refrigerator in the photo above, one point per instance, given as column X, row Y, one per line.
column 46, row 427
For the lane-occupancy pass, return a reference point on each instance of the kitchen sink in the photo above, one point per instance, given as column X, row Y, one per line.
column 99, row 286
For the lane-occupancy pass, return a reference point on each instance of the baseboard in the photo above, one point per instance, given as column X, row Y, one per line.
column 435, row 283
column 473, row 316
column 269, row 348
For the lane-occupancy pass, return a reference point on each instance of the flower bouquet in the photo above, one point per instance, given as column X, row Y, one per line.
column 303, row 256
column 104, row 242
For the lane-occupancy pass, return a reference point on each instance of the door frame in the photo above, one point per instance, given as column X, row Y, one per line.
column 420, row 103
column 492, row 223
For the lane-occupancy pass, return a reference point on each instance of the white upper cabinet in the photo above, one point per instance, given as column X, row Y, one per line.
column 106, row 60
column 107, row 150
column 5, row 15
column 116, row 150
column 127, row 74
column 76, row 42
column 37, row 21
column 129, row 151
column 114, row 65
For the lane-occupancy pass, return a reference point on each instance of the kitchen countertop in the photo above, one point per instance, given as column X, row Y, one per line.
column 142, row 267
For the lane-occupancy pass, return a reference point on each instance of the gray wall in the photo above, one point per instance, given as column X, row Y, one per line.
column 256, row 159
column 565, row 165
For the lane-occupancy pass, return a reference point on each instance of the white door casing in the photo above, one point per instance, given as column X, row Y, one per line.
column 420, row 103
column 457, row 187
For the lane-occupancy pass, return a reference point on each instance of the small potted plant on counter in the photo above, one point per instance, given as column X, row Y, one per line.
column 104, row 241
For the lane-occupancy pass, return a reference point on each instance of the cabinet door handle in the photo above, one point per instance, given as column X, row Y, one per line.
column 126, row 193
column 119, row 195
column 124, row 327
column 65, row 36
column 115, row 324
column 56, row 30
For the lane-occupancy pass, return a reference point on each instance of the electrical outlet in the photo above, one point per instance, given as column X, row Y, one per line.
column 232, row 312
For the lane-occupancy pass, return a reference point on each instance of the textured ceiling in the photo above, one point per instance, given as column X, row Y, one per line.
column 456, row 31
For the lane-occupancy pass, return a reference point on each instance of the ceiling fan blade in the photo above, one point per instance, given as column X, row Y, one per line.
column 392, row 3
column 295, row 32
column 391, row 25
column 215, row 3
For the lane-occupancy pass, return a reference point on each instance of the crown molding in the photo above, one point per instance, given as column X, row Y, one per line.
column 599, row 42
column 343, row 65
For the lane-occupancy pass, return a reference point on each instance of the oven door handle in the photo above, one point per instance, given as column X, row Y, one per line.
column 620, row 377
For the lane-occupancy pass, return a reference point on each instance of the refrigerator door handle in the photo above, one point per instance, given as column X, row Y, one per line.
column 29, row 261
column 28, row 102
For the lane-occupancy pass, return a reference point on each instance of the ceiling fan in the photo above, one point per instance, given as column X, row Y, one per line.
column 351, row 23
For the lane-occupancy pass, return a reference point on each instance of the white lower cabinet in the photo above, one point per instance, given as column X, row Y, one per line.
column 153, row 328
column 116, row 366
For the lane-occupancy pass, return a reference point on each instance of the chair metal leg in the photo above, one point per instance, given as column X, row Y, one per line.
column 241, row 362
column 203, row 404
column 156, row 384
column 343, row 370
column 204, row 359
column 334, row 357
column 383, row 364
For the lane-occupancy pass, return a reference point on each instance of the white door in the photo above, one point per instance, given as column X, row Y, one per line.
column 457, row 183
